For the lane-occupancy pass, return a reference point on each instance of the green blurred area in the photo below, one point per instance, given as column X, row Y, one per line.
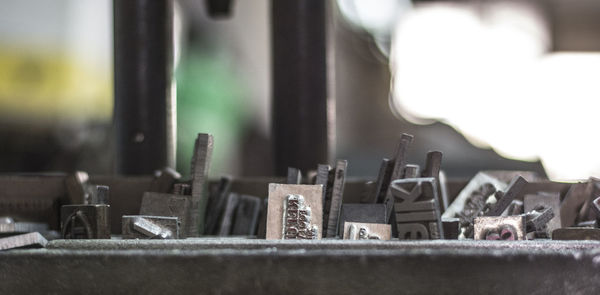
column 209, row 100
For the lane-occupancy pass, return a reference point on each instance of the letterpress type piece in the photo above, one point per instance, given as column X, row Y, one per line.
column 433, row 165
column 216, row 205
column 383, row 180
column 246, row 216
column 28, row 240
column 161, row 204
column 572, row 202
column 367, row 231
column 451, row 228
column 325, row 178
column 398, row 170
column 500, row 228
column 576, row 233
column 336, row 198
column 417, row 214
column 100, row 195
column 362, row 213
column 149, row 227
column 226, row 223
column 504, row 199
column 289, row 206
column 541, row 201
column 199, row 172
column 85, row 221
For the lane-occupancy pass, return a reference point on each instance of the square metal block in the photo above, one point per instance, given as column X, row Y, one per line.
column 500, row 228
column 85, row 221
column 279, row 198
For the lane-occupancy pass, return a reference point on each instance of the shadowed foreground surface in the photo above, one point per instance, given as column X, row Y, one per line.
column 245, row 266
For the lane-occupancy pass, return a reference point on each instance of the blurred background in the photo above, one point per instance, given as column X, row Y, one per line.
column 491, row 84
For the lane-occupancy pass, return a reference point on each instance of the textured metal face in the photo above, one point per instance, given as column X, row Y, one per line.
column 297, row 219
column 500, row 228
column 367, row 231
column 278, row 201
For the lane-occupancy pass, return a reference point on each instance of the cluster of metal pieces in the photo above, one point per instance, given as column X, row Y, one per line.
column 171, row 209
column 503, row 205
column 408, row 203
column 405, row 202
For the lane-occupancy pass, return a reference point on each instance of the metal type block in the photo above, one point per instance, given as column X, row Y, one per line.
column 443, row 190
column 536, row 221
column 383, row 180
column 572, row 202
column 28, row 240
column 433, row 165
column 164, row 180
column 246, row 215
column 262, row 220
column 506, row 198
column 367, row 231
column 362, row 213
column 294, row 176
column 100, row 195
column 398, row 170
column 226, row 223
column 325, row 178
column 150, row 227
column 541, row 201
column 592, row 190
column 417, row 213
column 576, row 233
column 285, row 196
column 216, row 205
column 500, row 228
column 451, row 228
column 85, row 221
column 161, row 204
column 471, row 201
column 337, row 194
column 199, row 171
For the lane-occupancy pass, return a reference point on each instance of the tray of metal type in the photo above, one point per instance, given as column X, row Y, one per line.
column 253, row 266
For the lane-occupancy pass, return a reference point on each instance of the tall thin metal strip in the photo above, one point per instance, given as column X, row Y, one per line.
column 323, row 178
column 143, row 76
column 199, row 172
column 336, row 198
column 383, row 179
column 397, row 173
column 299, row 93
column 433, row 165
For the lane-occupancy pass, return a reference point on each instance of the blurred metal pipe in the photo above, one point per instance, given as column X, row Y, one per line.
column 299, row 76
column 143, row 72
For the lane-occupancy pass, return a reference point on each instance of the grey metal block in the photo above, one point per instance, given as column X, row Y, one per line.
column 150, row 227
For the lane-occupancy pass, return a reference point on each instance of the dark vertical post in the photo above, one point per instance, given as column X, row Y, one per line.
column 299, row 76
column 143, row 73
